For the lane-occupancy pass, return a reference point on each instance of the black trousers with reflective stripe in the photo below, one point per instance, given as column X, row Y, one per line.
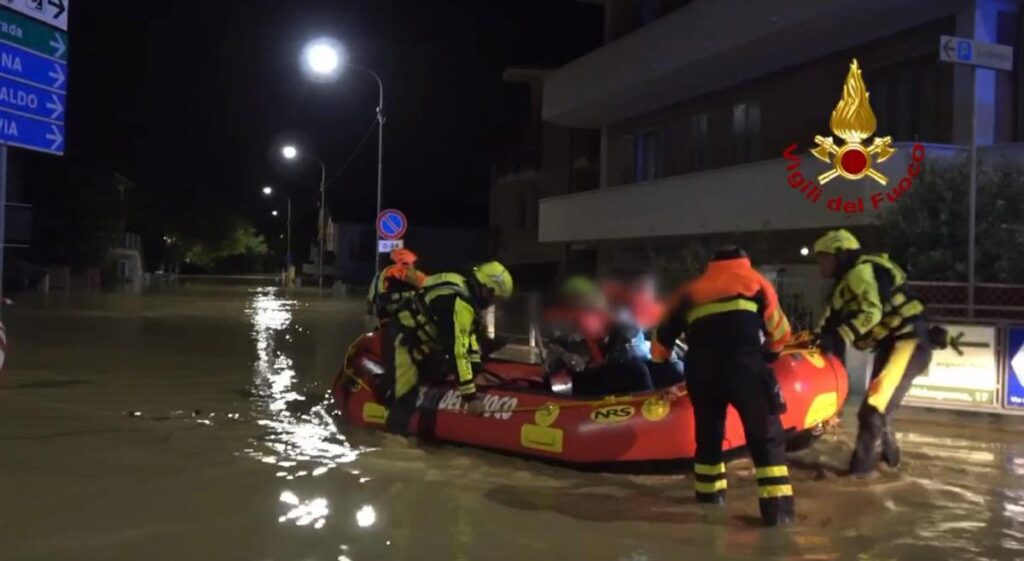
column 717, row 378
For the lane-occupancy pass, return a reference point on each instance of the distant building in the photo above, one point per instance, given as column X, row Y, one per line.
column 439, row 248
column 537, row 160
column 693, row 102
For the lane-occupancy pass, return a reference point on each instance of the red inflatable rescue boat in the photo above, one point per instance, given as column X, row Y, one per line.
column 524, row 418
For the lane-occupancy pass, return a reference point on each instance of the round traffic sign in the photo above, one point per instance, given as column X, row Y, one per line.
column 391, row 224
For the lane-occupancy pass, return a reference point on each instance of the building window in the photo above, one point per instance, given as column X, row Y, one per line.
column 746, row 131
column 698, row 141
column 648, row 155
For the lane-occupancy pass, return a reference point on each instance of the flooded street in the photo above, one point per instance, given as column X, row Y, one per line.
column 189, row 423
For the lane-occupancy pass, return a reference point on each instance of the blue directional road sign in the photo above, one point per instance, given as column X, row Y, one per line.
column 34, row 134
column 29, row 67
column 33, row 75
column 1014, row 383
column 391, row 224
column 33, row 101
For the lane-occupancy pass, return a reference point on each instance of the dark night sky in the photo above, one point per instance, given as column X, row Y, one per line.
column 190, row 99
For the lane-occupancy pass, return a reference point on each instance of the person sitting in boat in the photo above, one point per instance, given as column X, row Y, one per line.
column 602, row 350
column 438, row 334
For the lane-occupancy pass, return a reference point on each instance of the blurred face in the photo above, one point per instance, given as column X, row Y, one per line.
column 826, row 264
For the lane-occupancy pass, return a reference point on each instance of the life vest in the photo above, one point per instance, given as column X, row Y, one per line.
column 391, row 287
column 871, row 303
column 411, row 312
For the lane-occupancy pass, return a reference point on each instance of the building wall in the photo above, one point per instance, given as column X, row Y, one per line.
column 910, row 93
column 538, row 160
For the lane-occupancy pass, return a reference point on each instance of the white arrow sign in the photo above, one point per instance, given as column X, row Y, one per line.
column 1017, row 362
column 58, row 45
column 54, row 106
column 51, row 12
column 55, row 136
column 58, row 76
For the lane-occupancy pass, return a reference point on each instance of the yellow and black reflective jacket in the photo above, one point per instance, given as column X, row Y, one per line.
column 443, row 321
column 870, row 303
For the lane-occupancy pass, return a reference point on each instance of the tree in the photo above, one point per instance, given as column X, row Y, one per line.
column 232, row 245
column 927, row 228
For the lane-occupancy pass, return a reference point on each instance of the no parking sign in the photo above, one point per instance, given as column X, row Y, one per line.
column 391, row 224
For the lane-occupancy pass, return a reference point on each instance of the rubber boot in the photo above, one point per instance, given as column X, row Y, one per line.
column 865, row 448
column 778, row 511
column 890, row 448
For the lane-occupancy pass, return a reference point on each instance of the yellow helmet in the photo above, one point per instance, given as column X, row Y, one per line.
column 835, row 241
column 495, row 276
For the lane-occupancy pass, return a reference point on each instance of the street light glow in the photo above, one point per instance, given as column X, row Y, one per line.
column 268, row 190
column 323, row 59
column 805, row 251
column 289, row 152
column 274, row 213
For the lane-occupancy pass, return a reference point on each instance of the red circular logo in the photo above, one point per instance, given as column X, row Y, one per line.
column 854, row 161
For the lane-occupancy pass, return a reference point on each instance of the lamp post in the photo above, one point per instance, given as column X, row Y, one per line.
column 323, row 60
column 268, row 191
column 291, row 153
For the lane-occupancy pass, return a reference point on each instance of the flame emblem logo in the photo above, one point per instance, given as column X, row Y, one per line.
column 853, row 121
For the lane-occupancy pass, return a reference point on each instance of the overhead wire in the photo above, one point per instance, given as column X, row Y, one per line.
column 352, row 156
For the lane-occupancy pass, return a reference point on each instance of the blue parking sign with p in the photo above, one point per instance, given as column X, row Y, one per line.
column 963, row 51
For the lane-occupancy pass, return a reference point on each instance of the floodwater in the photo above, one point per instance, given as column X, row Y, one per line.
column 189, row 423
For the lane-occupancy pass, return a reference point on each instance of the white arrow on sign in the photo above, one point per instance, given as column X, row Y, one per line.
column 58, row 75
column 58, row 45
column 1017, row 363
column 55, row 136
column 54, row 106
column 50, row 12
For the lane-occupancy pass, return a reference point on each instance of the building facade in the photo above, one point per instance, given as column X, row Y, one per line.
column 694, row 103
column 536, row 160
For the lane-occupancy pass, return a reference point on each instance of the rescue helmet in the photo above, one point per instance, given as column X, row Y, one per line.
column 495, row 276
column 402, row 256
column 835, row 241
column 729, row 252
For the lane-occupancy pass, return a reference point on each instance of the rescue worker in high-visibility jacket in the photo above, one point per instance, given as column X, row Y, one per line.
column 388, row 292
column 440, row 335
column 871, row 309
column 734, row 330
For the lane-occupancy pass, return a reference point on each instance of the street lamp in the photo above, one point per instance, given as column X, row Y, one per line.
column 268, row 191
column 290, row 152
column 323, row 59
column 273, row 213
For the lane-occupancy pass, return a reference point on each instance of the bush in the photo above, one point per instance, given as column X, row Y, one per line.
column 927, row 229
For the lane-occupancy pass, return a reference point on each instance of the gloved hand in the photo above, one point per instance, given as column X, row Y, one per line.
column 474, row 405
column 830, row 342
column 939, row 338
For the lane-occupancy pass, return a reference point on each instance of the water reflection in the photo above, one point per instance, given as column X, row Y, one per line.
column 303, row 444
column 314, row 511
column 366, row 516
